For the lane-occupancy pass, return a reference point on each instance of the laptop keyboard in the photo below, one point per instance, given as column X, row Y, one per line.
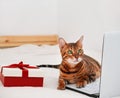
column 91, row 88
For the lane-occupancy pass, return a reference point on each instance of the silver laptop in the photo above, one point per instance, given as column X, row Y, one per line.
column 110, row 77
column 108, row 86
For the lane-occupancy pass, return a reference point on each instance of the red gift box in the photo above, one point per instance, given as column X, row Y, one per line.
column 24, row 79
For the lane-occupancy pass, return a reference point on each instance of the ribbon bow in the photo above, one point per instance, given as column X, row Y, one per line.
column 19, row 65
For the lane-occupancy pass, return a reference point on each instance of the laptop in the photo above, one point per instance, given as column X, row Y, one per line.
column 108, row 86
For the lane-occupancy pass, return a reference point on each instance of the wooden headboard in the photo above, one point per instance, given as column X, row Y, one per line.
column 13, row 41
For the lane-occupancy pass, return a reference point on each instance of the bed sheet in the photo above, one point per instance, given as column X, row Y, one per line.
column 35, row 55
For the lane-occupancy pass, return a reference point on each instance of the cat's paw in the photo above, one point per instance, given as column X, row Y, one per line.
column 60, row 88
column 81, row 84
column 61, row 85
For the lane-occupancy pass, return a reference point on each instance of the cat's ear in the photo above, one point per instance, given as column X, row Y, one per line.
column 79, row 42
column 61, row 43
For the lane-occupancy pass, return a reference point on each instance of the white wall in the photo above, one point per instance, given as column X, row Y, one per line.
column 69, row 18
column 81, row 17
column 28, row 16
column 110, row 11
column 90, row 18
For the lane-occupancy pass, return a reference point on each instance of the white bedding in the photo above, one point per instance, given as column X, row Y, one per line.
column 35, row 55
column 31, row 54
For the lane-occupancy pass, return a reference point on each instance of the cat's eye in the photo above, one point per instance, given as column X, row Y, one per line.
column 70, row 52
column 80, row 51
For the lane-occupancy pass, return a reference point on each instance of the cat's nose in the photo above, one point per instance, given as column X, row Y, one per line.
column 76, row 56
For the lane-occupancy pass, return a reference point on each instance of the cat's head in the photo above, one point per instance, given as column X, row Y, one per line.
column 71, row 52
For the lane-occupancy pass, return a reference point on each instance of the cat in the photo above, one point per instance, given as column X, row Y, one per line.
column 76, row 67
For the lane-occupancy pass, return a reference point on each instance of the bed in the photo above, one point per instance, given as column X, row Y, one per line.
column 35, row 50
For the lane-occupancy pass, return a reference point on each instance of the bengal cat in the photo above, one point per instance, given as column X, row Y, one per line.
column 76, row 67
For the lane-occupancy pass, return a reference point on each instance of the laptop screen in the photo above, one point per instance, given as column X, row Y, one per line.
column 110, row 76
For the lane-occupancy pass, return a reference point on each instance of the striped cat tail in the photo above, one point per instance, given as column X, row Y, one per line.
column 49, row 66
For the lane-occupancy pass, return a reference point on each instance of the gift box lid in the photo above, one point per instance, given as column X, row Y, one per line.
column 17, row 72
